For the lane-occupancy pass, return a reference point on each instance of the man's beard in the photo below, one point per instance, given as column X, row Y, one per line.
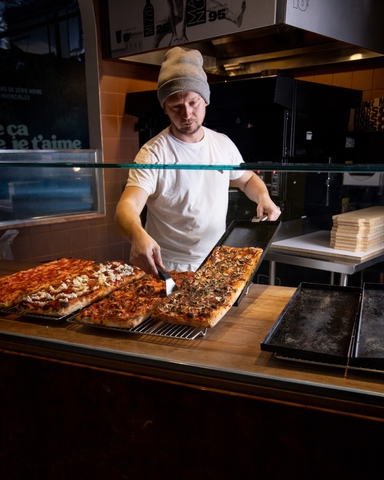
column 185, row 131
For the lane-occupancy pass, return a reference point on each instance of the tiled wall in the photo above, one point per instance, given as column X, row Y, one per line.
column 99, row 239
column 370, row 81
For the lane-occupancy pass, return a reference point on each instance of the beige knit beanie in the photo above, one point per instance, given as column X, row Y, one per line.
column 182, row 70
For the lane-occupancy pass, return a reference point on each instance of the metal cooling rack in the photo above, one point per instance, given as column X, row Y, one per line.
column 155, row 328
column 148, row 327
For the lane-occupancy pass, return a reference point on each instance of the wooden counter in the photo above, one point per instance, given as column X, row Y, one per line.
column 227, row 357
column 123, row 395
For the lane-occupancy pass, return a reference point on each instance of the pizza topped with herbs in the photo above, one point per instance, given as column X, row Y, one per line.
column 214, row 289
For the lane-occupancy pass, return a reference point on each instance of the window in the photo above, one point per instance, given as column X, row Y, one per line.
column 49, row 109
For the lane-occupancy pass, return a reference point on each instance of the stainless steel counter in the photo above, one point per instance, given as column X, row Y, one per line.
column 289, row 247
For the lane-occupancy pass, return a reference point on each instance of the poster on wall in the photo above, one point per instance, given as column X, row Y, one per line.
column 43, row 97
column 369, row 117
column 146, row 25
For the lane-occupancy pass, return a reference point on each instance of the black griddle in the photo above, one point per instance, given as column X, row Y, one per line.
column 245, row 233
column 331, row 325
column 369, row 347
column 318, row 324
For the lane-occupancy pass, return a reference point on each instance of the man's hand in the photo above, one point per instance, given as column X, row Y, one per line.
column 256, row 190
column 268, row 207
column 145, row 253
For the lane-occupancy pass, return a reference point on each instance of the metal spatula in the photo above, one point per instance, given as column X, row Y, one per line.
column 170, row 285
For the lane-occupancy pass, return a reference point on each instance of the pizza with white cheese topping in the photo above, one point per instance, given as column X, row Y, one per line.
column 73, row 292
column 13, row 288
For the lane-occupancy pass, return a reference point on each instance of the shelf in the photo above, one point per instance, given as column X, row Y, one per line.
column 69, row 159
column 268, row 167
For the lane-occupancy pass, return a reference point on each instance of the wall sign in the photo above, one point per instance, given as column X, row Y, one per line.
column 370, row 117
column 43, row 97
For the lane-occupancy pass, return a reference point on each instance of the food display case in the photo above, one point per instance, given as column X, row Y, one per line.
column 83, row 170
column 122, row 384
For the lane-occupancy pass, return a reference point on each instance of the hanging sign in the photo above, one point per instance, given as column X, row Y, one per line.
column 146, row 25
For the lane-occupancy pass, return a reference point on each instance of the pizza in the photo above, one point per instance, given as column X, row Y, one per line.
column 13, row 288
column 235, row 264
column 215, row 287
column 74, row 291
column 130, row 305
column 116, row 294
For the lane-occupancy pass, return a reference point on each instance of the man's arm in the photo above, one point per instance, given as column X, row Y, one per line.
column 256, row 191
column 145, row 252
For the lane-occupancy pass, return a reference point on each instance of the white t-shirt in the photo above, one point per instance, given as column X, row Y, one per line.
column 186, row 208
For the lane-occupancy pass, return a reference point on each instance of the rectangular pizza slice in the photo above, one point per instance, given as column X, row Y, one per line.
column 20, row 284
column 75, row 292
column 200, row 304
column 214, row 289
column 130, row 305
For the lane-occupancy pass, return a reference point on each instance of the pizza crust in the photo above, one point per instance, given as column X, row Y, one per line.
column 209, row 320
column 112, row 320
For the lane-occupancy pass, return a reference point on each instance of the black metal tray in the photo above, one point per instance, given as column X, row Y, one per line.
column 245, row 233
column 318, row 325
column 369, row 345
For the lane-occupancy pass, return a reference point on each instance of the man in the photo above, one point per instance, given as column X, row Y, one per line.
column 186, row 209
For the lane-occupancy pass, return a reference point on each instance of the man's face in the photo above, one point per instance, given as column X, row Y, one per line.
column 186, row 111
